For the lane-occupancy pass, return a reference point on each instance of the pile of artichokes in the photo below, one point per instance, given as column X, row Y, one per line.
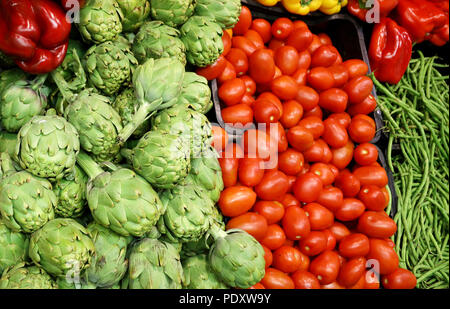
column 107, row 175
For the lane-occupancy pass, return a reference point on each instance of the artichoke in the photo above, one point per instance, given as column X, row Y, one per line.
column 13, row 247
column 47, row 147
column 62, row 247
column 135, row 12
column 236, row 257
column 195, row 93
column 109, row 66
column 224, row 12
column 157, row 85
column 11, row 76
column 199, row 275
column 157, row 40
column 21, row 101
column 173, row 13
column 8, row 142
column 202, row 38
column 71, row 193
column 26, row 202
column 121, row 200
column 188, row 212
column 74, row 284
column 27, row 277
column 162, row 159
column 154, row 264
column 126, row 105
column 100, row 21
column 109, row 263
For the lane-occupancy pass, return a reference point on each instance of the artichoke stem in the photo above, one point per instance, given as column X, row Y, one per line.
column 63, row 86
column 216, row 232
column 142, row 114
column 89, row 166
column 127, row 154
column 38, row 81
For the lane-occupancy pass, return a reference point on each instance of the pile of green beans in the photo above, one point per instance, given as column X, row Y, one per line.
column 416, row 112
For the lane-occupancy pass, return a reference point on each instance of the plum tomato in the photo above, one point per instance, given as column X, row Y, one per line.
column 354, row 245
column 295, row 223
column 236, row 200
column 376, row 225
column 313, row 244
column 251, row 222
column 273, row 211
column 320, row 218
column 276, row 279
column 287, row 259
column 273, row 185
column 307, row 187
column 274, row 238
column 303, row 279
column 325, row 267
column 350, row 209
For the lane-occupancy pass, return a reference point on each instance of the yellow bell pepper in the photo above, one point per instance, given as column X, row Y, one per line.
column 301, row 7
column 268, row 2
column 331, row 7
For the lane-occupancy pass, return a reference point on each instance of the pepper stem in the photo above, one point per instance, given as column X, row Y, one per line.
column 89, row 166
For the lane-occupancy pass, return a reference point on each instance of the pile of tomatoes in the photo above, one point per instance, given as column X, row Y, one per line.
column 320, row 212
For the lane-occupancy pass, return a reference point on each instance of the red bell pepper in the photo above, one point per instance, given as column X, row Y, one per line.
column 389, row 51
column 34, row 33
column 359, row 8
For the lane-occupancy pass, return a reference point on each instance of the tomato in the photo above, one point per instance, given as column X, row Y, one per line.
column 275, row 279
column 303, row 279
column 300, row 39
column 263, row 27
column 250, row 171
column 339, row 231
column 326, row 267
column 324, row 172
column 282, row 28
column 268, row 256
column 259, row 143
column 399, row 279
column 273, row 98
column 352, row 271
column 313, row 244
column 251, row 222
column 387, row 258
column 340, row 75
column 228, row 73
column 233, row 150
column 377, row 225
column 366, row 154
column 300, row 76
column 332, row 286
column 292, row 113
column 255, row 38
column 273, row 211
column 324, row 56
column 213, row 71
column 226, row 40
column 314, row 125
column 319, row 217
column 236, row 200
column 257, row 286
column 316, row 111
column 334, row 134
column 250, row 85
column 307, row 97
column 286, row 58
column 367, row 106
column 287, row 259
column 284, row 87
column 220, row 138
column 331, row 240
column 356, row 68
column 278, row 133
column 264, row 111
column 315, row 44
column 354, row 245
column 244, row 44
column 229, row 167
column 274, row 238
column 331, row 198
column 232, row 91
column 274, row 44
column 261, row 66
column 372, row 197
column 358, row 88
column 320, row 78
column 325, row 39
column 237, row 114
column 300, row 138
column 273, row 186
column 239, row 60
column 348, row 183
column 333, row 100
column 290, row 200
column 244, row 23
column 290, row 162
column 371, row 175
column 314, row 153
column 371, row 280
column 307, row 187
column 350, row 209
column 295, row 223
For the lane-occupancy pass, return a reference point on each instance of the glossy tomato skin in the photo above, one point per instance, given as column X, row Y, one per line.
column 387, row 258
column 213, row 71
column 265, row 111
column 324, row 56
column 228, row 73
column 307, row 97
column 371, row 175
column 244, row 44
column 351, row 209
column 251, row 222
column 291, row 162
column 244, row 23
column 237, row 114
column 356, row 67
column 334, row 134
column 287, row 259
column 284, row 87
column 314, row 125
column 376, row 225
column 324, row 172
column 334, row 100
column 305, row 280
column 331, row 198
column 304, row 60
column 372, row 197
column 307, row 188
column 220, row 138
column 331, row 240
column 263, row 28
column 229, row 167
column 232, row 91
column 236, row 200
column 295, row 223
column 259, row 144
column 282, row 28
column 275, row 279
column 226, row 40
column 332, row 286
column 326, row 267
column 367, row 106
column 361, row 131
column 320, row 78
column 315, row 153
column 339, row 231
column 257, row 286
column 238, row 58
column 315, row 111
column 273, row 186
column 340, row 75
column 325, row 39
column 366, row 154
column 349, row 184
column 300, row 39
column 274, row 238
column 315, row 44
column 290, row 200
column 261, row 66
column 313, row 244
column 358, row 88
column 250, row 85
column 273, row 211
column 255, row 38
column 319, row 217
column 354, row 245
column 399, row 279
column 292, row 113
column 299, row 138
column 286, row 58
column 250, row 171
column 268, row 256
column 351, row 271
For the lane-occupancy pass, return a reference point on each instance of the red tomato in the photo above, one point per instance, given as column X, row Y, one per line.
column 324, row 56
column 250, row 171
column 244, row 44
column 268, row 256
column 236, row 200
column 307, row 187
column 300, row 24
column 381, row 251
column 315, row 44
column 286, row 58
column 237, row 114
column 313, row 244
column 333, row 100
column 244, row 23
column 300, row 38
column 251, row 222
column 320, row 78
column 371, row 175
column 282, row 28
column 239, row 60
column 343, row 119
column 255, row 38
column 334, row 134
column 228, row 73
column 295, row 223
column 371, row 280
column 366, row 154
column 300, row 76
column 305, row 280
column 356, row 67
column 361, row 131
column 367, row 106
column 274, row 238
column 377, row 225
column 372, row 197
column 300, row 138
column 263, row 27
column 278, row 134
column 274, row 44
column 339, row 231
column 284, row 87
column 226, row 40
column 229, row 168
column 358, row 88
column 331, row 198
column 332, row 286
column 341, row 157
column 289, row 200
column 292, row 113
column 331, row 240
column 316, row 111
column 307, row 97
column 233, row 150
column 340, row 75
column 257, row 286
column 325, row 39
column 262, row 66
column 399, row 279
column 273, row 186
column 314, row 125
column 319, row 217
column 273, row 98
column 354, row 245
column 352, row 271
column 324, row 172
column 259, row 143
column 314, row 153
column 250, row 85
column 265, row 111
column 291, row 162
column 348, row 183
column 326, row 267
column 350, row 209
column 273, row 211
column 220, row 138
column 304, row 60
column 275, row 279
column 287, row 259
column 232, row 91
column 213, row 71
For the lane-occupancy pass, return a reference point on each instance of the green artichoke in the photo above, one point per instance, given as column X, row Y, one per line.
column 126, row 105
column 157, row 40
column 13, row 247
column 195, row 93
column 27, row 277
column 47, row 147
column 162, row 159
column 62, row 247
column 21, row 101
column 236, row 257
column 135, row 12
column 188, row 212
column 71, row 68
column 157, row 85
column 26, row 202
column 109, row 263
column 199, row 275
column 100, row 21
column 11, row 76
column 74, row 284
column 71, row 193
column 173, row 13
column 109, row 66
column 154, row 264
column 203, row 40
column 224, row 12
column 8, row 142
column 121, row 200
